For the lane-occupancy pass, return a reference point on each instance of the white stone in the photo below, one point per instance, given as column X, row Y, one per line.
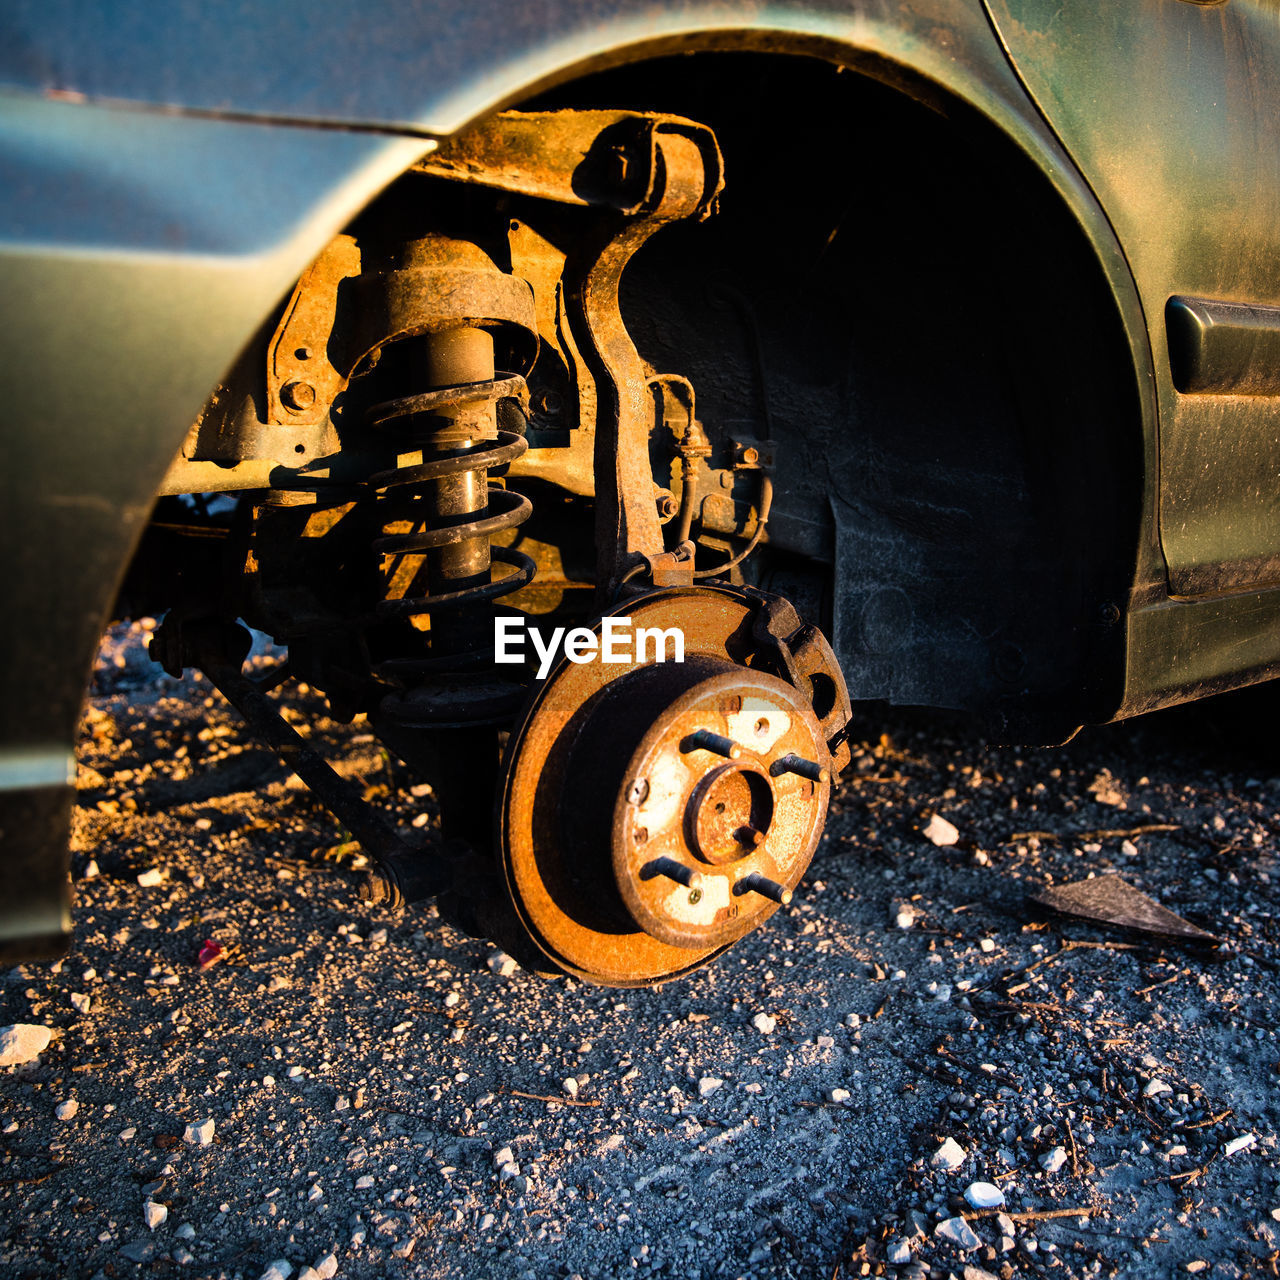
column 898, row 1254
column 502, row 964
column 1005, row 1224
column 708, row 1085
column 22, row 1042
column 569, row 1086
column 1053, row 1160
column 364, row 1182
column 198, row 1135
column 280, row 1269
column 958, row 1232
column 838, row 1095
column 186, row 1232
column 764, row 1023
column 153, row 1214
column 487, row 1222
column 504, row 1155
column 987, row 945
column 151, row 877
column 67, row 1110
column 1156, row 1086
column 940, row 831
column 949, row 1156
column 1242, row 1143
column 80, row 1002
column 91, row 871
column 984, row 1195
column 327, row 1267
column 294, row 1072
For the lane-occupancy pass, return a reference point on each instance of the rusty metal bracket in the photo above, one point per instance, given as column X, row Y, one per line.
column 641, row 172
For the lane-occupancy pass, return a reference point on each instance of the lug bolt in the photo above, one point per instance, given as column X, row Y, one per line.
column 297, row 396
column 705, row 740
column 638, row 792
column 799, row 765
column 673, row 870
column 750, row 836
column 667, row 505
column 771, row 889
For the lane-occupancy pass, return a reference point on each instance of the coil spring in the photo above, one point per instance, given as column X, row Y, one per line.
column 399, row 491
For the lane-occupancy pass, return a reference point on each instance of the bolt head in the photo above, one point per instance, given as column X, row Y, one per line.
column 297, row 396
column 638, row 791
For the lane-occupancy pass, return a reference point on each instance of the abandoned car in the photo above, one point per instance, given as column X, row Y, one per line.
column 803, row 354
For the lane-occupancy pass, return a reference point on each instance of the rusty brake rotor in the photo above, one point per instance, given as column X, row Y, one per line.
column 654, row 812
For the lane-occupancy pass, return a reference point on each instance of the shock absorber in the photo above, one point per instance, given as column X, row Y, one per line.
column 437, row 512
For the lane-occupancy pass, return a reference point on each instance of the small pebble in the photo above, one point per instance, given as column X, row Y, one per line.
column 569, row 1086
column 67, row 1110
column 708, row 1085
column 941, row 832
column 957, row 1231
column 984, row 1195
column 80, row 1002
column 1053, row 1160
column 764, row 1023
column 23, row 1042
column 198, row 1135
column 1242, row 1143
column 838, row 1095
column 949, row 1156
column 151, row 877
column 153, row 1214
column 502, row 964
column 898, row 1254
column 280, row 1269
column 1156, row 1086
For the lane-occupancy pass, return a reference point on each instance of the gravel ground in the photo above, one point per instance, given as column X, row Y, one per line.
column 384, row 1097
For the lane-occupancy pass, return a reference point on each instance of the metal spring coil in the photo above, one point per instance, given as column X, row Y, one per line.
column 505, row 510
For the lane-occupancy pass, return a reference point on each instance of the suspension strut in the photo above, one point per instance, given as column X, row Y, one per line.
column 437, row 512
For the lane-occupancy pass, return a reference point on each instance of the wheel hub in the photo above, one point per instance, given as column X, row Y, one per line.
column 653, row 815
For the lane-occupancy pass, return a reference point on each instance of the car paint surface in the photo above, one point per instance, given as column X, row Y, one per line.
column 1172, row 112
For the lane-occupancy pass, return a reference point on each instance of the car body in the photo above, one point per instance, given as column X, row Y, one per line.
column 994, row 288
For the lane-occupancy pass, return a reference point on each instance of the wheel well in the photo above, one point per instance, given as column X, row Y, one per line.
column 893, row 291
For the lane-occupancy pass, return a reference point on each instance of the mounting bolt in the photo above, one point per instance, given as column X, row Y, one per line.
column 771, row 889
column 799, row 765
column 667, row 505
column 638, row 791
column 705, row 740
column 298, row 396
column 673, row 870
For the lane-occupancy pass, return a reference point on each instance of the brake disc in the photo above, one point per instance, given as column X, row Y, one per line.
column 652, row 814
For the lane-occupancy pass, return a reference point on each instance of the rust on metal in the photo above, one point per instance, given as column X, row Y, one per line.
column 624, row 832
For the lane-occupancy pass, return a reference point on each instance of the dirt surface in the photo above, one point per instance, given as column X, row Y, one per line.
column 388, row 1100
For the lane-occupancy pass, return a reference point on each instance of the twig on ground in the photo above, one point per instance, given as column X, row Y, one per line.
column 1142, row 991
column 1208, row 1124
column 1102, row 833
column 1032, row 1215
column 1075, row 1154
column 543, row 1097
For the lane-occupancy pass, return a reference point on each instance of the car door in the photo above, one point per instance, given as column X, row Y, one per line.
column 1171, row 109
